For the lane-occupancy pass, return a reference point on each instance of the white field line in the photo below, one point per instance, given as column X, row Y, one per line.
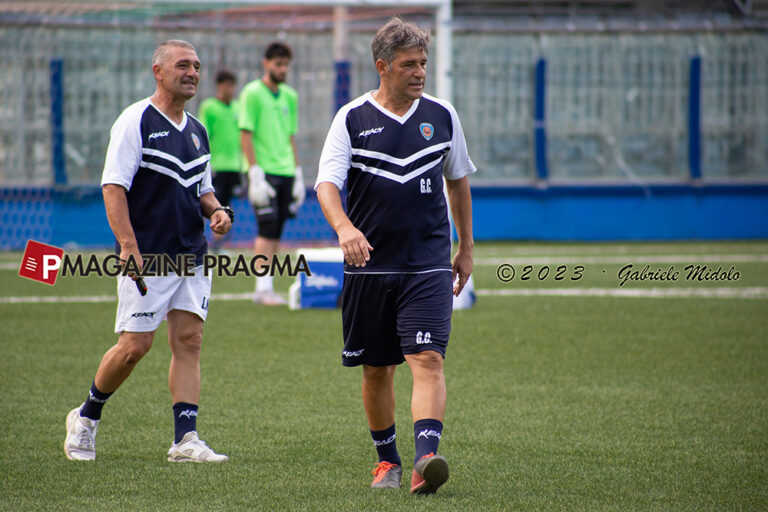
column 105, row 298
column 634, row 293
column 598, row 249
column 533, row 248
column 693, row 259
column 647, row 293
column 58, row 300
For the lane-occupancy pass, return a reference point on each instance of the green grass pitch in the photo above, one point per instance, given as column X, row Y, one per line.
column 555, row 402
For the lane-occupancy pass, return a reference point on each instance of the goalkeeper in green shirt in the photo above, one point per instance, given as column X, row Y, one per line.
column 268, row 123
column 220, row 116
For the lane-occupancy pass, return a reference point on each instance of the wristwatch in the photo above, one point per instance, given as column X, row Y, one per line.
column 229, row 211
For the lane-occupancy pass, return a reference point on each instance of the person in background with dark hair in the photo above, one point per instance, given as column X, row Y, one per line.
column 219, row 115
column 268, row 124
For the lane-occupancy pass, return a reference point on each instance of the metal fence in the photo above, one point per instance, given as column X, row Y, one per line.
column 617, row 105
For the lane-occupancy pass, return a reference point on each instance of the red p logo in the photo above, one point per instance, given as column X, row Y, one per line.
column 41, row 262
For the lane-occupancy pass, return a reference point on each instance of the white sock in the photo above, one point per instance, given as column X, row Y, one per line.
column 264, row 284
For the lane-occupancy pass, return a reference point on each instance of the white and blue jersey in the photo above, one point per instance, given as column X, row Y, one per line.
column 164, row 168
column 393, row 167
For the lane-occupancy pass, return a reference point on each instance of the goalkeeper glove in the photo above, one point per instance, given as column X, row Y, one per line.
column 299, row 191
column 259, row 191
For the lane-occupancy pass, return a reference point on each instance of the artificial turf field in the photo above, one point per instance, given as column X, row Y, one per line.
column 560, row 397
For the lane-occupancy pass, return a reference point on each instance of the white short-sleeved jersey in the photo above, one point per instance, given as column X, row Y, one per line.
column 165, row 168
column 393, row 167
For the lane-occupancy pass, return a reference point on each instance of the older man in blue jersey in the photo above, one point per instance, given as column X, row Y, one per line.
column 157, row 191
column 393, row 147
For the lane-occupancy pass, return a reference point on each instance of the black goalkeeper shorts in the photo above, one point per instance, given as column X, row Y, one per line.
column 271, row 218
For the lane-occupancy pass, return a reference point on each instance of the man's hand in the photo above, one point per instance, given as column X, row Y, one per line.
column 299, row 191
column 132, row 251
column 354, row 245
column 259, row 191
column 460, row 198
column 462, row 266
column 220, row 222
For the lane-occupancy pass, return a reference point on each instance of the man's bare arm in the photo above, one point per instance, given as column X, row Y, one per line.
column 460, row 198
column 353, row 243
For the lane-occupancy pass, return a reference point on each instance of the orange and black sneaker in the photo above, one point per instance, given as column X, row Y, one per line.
column 386, row 475
column 429, row 473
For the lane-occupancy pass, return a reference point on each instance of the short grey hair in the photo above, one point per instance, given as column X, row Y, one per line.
column 161, row 52
column 396, row 36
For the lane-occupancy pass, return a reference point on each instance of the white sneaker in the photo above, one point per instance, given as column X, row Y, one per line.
column 193, row 449
column 269, row 298
column 80, row 443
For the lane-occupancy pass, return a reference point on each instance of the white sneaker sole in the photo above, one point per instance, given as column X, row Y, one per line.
column 171, row 459
column 71, row 419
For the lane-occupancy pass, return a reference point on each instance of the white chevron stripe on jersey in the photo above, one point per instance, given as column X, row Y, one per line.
column 173, row 174
column 396, row 177
column 183, row 166
column 400, row 161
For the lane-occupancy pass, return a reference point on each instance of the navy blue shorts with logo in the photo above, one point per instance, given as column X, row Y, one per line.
column 386, row 316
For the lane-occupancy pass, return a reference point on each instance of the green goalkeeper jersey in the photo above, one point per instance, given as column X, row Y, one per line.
column 272, row 119
column 220, row 121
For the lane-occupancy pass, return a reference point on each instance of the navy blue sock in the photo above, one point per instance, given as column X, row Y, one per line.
column 427, row 435
column 386, row 446
column 95, row 402
column 184, row 419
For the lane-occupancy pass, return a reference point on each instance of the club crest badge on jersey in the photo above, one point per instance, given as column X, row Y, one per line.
column 427, row 130
column 196, row 140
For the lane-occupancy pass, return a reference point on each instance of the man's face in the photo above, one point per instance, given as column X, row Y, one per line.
column 277, row 68
column 226, row 90
column 407, row 73
column 180, row 73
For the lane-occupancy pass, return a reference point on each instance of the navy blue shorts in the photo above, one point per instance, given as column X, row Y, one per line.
column 386, row 316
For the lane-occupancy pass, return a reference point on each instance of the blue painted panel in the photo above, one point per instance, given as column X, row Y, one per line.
column 621, row 213
column 25, row 214
column 76, row 216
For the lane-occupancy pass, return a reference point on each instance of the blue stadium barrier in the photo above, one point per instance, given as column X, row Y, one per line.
column 75, row 217
column 621, row 212
column 25, row 214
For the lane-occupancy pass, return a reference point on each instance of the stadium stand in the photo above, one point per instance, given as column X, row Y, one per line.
column 599, row 93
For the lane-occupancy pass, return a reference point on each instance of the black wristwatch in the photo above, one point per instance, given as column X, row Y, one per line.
column 229, row 212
